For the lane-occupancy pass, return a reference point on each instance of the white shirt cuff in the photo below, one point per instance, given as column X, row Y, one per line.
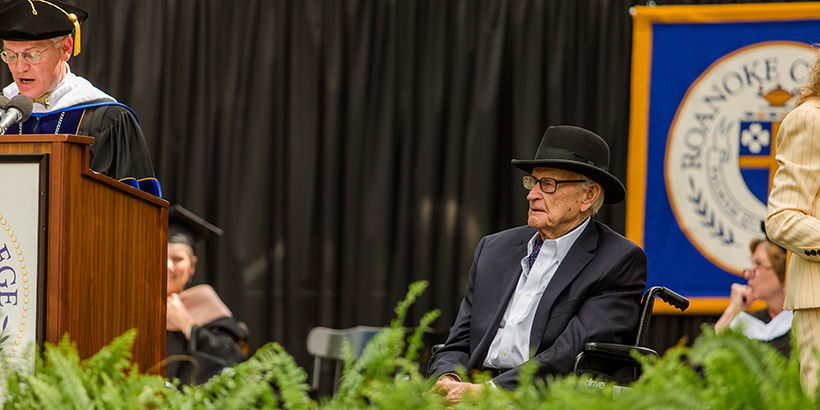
column 450, row 374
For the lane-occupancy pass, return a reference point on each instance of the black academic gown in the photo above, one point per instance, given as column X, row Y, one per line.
column 119, row 150
column 213, row 347
column 783, row 342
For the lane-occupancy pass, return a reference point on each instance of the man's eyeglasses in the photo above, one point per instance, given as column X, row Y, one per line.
column 31, row 57
column 548, row 185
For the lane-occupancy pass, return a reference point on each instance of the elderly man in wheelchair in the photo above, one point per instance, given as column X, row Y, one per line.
column 550, row 287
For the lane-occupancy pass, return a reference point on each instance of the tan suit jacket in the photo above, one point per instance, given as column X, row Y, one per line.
column 793, row 219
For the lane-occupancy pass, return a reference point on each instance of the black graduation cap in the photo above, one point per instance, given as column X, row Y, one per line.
column 31, row 20
column 185, row 227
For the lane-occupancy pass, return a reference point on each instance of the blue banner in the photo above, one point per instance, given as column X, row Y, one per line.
column 710, row 85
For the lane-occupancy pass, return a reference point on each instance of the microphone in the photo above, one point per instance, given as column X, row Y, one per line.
column 4, row 101
column 18, row 110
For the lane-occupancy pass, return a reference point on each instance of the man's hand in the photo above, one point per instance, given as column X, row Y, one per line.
column 455, row 389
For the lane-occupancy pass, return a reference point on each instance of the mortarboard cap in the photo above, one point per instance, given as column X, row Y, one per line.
column 185, row 227
column 31, row 20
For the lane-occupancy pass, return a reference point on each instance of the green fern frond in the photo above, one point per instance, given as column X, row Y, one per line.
column 416, row 341
column 115, row 359
column 381, row 360
column 414, row 291
column 748, row 371
column 373, row 363
column 45, row 395
column 247, row 384
column 290, row 380
column 68, row 377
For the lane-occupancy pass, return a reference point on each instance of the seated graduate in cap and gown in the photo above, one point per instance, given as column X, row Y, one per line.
column 37, row 44
column 203, row 337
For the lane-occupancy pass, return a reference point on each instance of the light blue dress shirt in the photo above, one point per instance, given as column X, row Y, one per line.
column 511, row 345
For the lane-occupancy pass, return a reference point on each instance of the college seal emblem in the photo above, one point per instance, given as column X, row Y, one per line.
column 720, row 156
column 20, row 228
column 15, row 295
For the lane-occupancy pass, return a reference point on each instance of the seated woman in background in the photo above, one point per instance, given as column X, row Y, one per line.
column 202, row 335
column 766, row 281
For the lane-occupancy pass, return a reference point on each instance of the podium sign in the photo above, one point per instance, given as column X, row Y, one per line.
column 22, row 223
column 80, row 253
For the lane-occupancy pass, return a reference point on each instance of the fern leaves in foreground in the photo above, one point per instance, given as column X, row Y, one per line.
column 727, row 371
column 108, row 380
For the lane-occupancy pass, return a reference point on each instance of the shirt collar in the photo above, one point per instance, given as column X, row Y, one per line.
column 71, row 91
column 563, row 243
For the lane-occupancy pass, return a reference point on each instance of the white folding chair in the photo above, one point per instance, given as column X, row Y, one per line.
column 327, row 343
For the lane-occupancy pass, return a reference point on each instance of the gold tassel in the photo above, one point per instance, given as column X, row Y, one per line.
column 73, row 18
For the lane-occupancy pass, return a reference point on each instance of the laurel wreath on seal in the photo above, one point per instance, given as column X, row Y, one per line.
column 24, row 319
column 3, row 335
column 708, row 216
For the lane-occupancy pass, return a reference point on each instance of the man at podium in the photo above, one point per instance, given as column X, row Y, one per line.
column 37, row 43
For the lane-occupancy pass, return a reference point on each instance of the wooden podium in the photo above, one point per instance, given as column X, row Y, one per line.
column 102, row 251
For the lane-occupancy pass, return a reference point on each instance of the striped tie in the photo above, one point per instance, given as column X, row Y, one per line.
column 535, row 249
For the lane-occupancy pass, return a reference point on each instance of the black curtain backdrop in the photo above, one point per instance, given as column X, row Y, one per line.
column 351, row 147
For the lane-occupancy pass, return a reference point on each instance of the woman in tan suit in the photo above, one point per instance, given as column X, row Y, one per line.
column 793, row 220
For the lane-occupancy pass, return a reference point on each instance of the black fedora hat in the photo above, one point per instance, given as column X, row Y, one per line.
column 578, row 150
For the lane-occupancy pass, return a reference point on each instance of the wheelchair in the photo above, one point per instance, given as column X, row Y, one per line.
column 613, row 362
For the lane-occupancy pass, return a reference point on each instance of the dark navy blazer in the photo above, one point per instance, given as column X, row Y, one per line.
column 593, row 296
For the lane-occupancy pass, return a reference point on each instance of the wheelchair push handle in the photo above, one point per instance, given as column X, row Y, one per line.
column 671, row 297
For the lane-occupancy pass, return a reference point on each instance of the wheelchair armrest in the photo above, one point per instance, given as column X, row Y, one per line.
column 618, row 350
column 436, row 348
column 671, row 297
column 611, row 353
